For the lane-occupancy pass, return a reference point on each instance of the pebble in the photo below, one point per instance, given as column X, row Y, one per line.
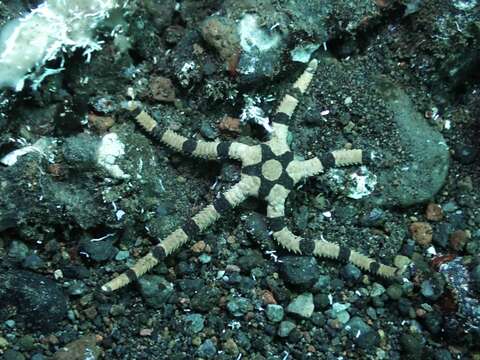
column 198, row 247
column 10, row 323
column 302, row 271
column 230, row 347
column 421, row 233
column 26, row 343
column 361, row 333
column 458, row 239
column 13, row 355
column 33, row 262
column 377, row 290
column 3, row 343
column 375, row 217
column 208, row 131
column 302, row 306
column 395, row 291
column 17, row 251
column 195, row 323
column 275, row 313
column 38, row 301
column 98, row 251
column 443, row 354
column 77, row 350
column 412, row 344
column 77, row 288
column 434, row 212
column 239, row 306
column 441, row 234
column 285, row 328
column 401, row 261
column 351, row 273
column 146, row 332
column 205, row 258
column 155, row 289
column 207, row 349
column 431, row 289
column 122, row 255
column 465, row 154
column 205, row 299
column 38, row 356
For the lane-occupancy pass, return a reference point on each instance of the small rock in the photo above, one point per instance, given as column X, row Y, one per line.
column 155, row 289
column 285, row 328
column 195, row 323
column 441, row 234
column 458, row 239
column 230, row 124
column 434, row 212
column 98, row 250
column 431, row 289
column 268, row 298
column 205, row 258
column 10, row 323
column 13, row 355
column 205, row 299
column 117, row 309
column 362, row 334
column 302, row 306
column 421, row 233
column 3, row 343
column 465, row 154
column 301, row 271
column 38, row 301
column 91, row 312
column 230, row 347
column 207, row 131
column 80, row 349
column 77, row 288
column 275, row 313
column 351, row 273
column 146, row 332
column 412, row 344
column 239, row 306
column 17, row 251
column 377, row 290
column 395, row 291
column 207, row 349
column 401, row 261
column 374, row 218
column 162, row 89
column 33, row 262
column 100, row 123
column 122, row 255
column 199, row 247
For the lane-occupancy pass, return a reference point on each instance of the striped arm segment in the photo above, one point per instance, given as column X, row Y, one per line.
column 212, row 150
column 321, row 248
column 288, row 104
column 299, row 170
column 197, row 224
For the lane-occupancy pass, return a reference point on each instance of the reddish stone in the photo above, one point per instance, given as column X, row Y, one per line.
column 434, row 212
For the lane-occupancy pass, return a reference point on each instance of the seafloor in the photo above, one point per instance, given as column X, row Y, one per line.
column 396, row 78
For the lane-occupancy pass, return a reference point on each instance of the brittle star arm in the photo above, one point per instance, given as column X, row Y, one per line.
column 286, row 108
column 319, row 248
column 302, row 169
column 195, row 225
column 212, row 150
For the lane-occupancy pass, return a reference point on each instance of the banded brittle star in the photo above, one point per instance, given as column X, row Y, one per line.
column 269, row 171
